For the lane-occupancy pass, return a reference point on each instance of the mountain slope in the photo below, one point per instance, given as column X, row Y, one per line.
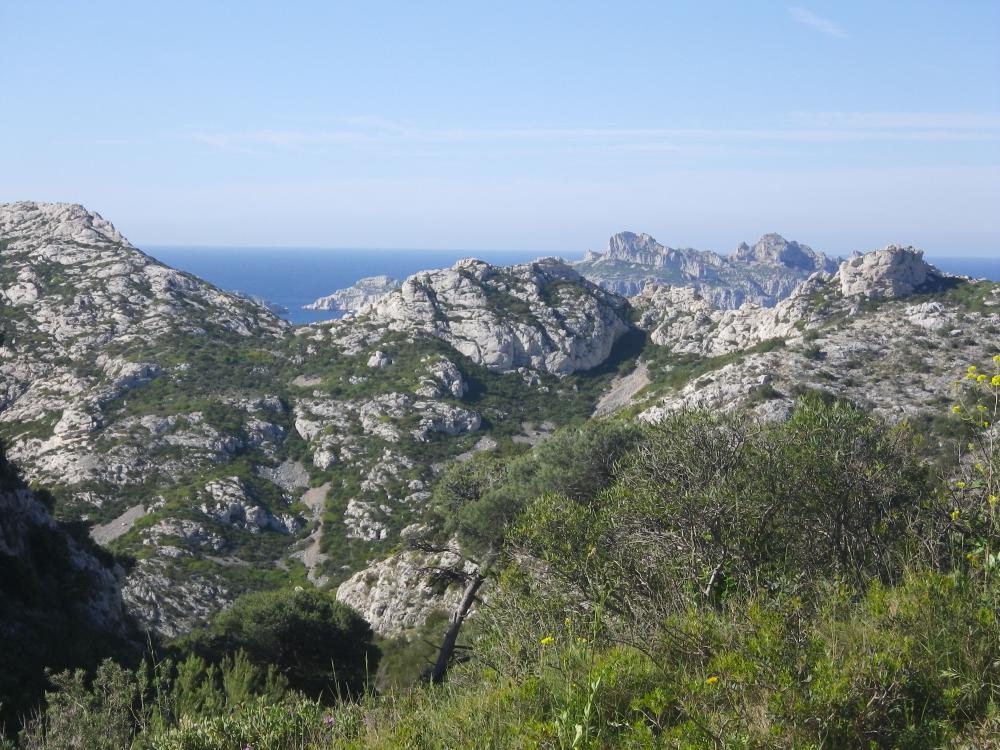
column 226, row 450
column 886, row 330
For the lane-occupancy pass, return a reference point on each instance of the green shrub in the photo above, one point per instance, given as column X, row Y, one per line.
column 322, row 647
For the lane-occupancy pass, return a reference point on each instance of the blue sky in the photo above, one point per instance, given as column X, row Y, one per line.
column 536, row 125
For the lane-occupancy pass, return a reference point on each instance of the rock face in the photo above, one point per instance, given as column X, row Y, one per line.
column 683, row 322
column 399, row 594
column 541, row 315
column 353, row 298
column 891, row 272
column 763, row 273
column 56, row 565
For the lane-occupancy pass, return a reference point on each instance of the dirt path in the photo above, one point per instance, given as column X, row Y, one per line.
column 108, row 532
column 312, row 558
column 622, row 390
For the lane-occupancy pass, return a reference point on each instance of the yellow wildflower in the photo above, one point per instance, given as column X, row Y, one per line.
column 712, row 680
column 547, row 640
column 992, row 500
column 995, row 381
column 955, row 514
column 971, row 368
column 980, row 378
column 996, row 358
column 956, row 409
column 960, row 484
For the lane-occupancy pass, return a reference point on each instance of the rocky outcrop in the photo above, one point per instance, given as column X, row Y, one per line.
column 353, row 298
column 541, row 315
column 892, row 272
column 684, row 322
column 230, row 503
column 398, row 594
column 764, row 273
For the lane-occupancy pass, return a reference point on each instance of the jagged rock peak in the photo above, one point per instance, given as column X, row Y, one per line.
column 773, row 249
column 629, row 244
column 68, row 221
column 893, row 271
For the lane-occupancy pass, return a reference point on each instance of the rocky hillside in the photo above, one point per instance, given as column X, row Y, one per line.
column 226, row 450
column 763, row 273
column 886, row 330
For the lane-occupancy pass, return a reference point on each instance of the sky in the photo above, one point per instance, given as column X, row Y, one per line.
column 520, row 125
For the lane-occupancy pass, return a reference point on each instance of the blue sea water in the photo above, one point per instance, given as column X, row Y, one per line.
column 292, row 277
column 977, row 268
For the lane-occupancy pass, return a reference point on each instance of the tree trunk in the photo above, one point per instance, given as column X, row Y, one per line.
column 455, row 625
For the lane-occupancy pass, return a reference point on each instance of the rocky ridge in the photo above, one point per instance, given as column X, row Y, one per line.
column 762, row 273
column 887, row 330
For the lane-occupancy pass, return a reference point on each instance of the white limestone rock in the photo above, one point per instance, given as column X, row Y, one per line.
column 542, row 315
column 398, row 594
column 379, row 360
column 353, row 298
column 892, row 272
column 763, row 274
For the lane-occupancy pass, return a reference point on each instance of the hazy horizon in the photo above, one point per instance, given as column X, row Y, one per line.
column 548, row 127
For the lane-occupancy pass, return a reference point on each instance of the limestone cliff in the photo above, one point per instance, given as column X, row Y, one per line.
column 763, row 273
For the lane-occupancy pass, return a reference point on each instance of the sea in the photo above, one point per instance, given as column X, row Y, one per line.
column 292, row 277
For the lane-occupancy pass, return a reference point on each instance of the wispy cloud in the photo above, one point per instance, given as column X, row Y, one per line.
column 797, row 127
column 810, row 19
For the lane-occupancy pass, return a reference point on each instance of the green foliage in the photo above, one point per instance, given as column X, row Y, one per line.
column 709, row 581
column 82, row 716
column 708, row 507
column 477, row 500
column 259, row 724
column 320, row 646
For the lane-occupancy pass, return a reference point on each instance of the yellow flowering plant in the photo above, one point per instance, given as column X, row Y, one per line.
column 975, row 489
